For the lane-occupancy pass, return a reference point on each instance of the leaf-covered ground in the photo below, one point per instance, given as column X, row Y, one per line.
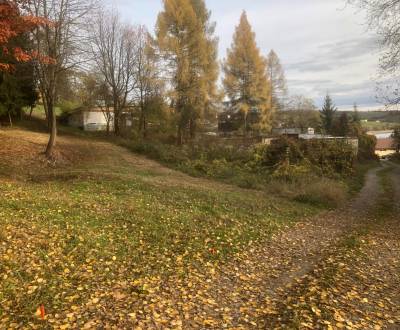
column 109, row 240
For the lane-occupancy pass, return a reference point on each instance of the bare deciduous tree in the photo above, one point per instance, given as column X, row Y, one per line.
column 148, row 75
column 277, row 80
column 384, row 17
column 62, row 41
column 301, row 113
column 114, row 49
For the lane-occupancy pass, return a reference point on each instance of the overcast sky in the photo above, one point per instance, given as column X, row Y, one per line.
column 323, row 45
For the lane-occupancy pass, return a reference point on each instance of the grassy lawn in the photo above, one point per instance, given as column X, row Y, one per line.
column 69, row 237
column 379, row 126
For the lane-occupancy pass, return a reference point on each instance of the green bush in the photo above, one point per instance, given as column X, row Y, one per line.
column 395, row 157
column 366, row 147
column 283, row 149
column 331, row 157
column 292, row 173
column 288, row 168
column 328, row 157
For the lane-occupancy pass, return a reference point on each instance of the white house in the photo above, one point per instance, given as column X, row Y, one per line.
column 91, row 119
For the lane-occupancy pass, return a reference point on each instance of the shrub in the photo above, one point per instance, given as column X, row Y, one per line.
column 289, row 168
column 395, row 157
column 328, row 157
column 292, row 173
column 322, row 192
column 281, row 150
column 310, row 189
column 366, row 147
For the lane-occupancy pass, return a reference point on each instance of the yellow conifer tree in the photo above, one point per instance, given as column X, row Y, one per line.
column 245, row 76
column 185, row 39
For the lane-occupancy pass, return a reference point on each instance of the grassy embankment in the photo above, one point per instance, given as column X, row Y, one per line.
column 71, row 234
column 68, row 231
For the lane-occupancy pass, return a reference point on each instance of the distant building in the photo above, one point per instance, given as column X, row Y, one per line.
column 291, row 132
column 309, row 134
column 385, row 144
column 95, row 119
column 385, row 147
column 381, row 134
column 90, row 119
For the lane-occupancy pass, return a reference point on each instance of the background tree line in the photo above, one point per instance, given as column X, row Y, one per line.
column 86, row 55
column 80, row 53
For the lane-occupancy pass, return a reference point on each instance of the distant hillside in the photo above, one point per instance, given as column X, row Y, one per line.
column 379, row 120
column 383, row 116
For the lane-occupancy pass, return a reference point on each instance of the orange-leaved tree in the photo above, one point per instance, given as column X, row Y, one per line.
column 14, row 22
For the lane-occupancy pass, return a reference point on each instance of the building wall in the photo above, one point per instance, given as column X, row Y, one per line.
column 95, row 121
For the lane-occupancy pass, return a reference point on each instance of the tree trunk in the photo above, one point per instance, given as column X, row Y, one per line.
column 53, row 130
column 180, row 136
column 192, row 128
column 245, row 123
column 46, row 111
column 141, row 122
column 108, row 125
column 30, row 113
column 144, row 127
column 9, row 118
column 116, row 126
column 116, row 118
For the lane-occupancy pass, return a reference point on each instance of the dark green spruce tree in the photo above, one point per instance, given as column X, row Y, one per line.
column 343, row 125
column 328, row 114
column 17, row 86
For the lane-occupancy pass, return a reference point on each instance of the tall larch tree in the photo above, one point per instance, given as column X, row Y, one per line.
column 184, row 41
column 276, row 76
column 211, row 69
column 245, row 75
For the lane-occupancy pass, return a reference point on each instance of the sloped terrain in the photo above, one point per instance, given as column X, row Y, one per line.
column 107, row 239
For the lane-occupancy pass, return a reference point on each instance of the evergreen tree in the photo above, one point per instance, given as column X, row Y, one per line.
column 343, row 126
column 356, row 115
column 355, row 125
column 328, row 113
column 245, row 81
column 17, row 86
column 185, row 38
column 276, row 76
column 211, row 69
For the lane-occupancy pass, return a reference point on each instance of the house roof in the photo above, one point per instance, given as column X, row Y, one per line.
column 385, row 144
column 86, row 109
column 380, row 132
column 290, row 131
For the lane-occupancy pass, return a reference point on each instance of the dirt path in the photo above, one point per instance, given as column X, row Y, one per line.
column 246, row 289
column 337, row 270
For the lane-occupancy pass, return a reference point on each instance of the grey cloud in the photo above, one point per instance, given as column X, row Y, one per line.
column 343, row 94
column 331, row 55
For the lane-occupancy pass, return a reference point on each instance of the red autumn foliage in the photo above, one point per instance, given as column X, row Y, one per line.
column 13, row 22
